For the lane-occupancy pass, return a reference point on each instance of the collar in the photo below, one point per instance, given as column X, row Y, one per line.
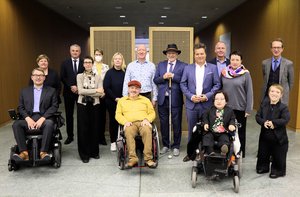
column 38, row 89
column 218, row 60
column 205, row 64
column 279, row 59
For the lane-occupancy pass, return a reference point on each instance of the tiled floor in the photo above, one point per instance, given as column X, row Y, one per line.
column 172, row 177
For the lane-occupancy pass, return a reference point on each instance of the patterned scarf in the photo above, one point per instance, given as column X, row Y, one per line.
column 89, row 81
column 218, row 125
column 229, row 73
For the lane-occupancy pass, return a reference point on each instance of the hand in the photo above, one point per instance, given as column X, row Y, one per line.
column 100, row 90
column 39, row 123
column 168, row 75
column 196, row 99
column 154, row 104
column 203, row 98
column 146, row 122
column 206, row 127
column 30, row 122
column 231, row 127
column 127, row 124
column 271, row 125
column 74, row 89
column 117, row 99
column 246, row 115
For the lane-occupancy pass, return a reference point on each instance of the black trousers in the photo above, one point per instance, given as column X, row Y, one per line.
column 88, row 130
column 102, row 120
column 209, row 140
column 113, row 124
column 20, row 127
column 240, row 117
column 70, row 99
column 269, row 147
column 163, row 111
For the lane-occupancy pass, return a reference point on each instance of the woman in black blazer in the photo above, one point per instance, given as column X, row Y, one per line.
column 273, row 117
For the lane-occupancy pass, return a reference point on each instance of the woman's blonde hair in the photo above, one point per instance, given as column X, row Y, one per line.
column 42, row 56
column 123, row 67
column 278, row 86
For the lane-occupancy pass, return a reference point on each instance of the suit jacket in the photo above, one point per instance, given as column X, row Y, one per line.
column 67, row 75
column 280, row 117
column 214, row 61
column 286, row 77
column 210, row 116
column 48, row 102
column 211, row 84
column 163, row 84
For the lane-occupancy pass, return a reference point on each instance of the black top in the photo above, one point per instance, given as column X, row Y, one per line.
column 113, row 83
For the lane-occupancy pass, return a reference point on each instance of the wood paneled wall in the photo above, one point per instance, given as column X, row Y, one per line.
column 253, row 25
column 27, row 30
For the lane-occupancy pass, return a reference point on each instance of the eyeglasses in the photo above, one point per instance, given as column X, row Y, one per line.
column 88, row 62
column 35, row 75
column 276, row 47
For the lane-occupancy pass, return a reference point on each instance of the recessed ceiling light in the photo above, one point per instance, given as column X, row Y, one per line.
column 161, row 23
column 122, row 16
column 79, row 16
column 204, row 16
column 167, row 8
column 118, row 8
column 163, row 16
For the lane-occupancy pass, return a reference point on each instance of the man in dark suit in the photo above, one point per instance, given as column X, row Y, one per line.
column 220, row 60
column 37, row 104
column 69, row 70
column 199, row 82
column 170, row 69
column 278, row 70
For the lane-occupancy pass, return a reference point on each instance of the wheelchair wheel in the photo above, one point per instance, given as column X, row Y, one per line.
column 57, row 156
column 121, row 158
column 239, row 163
column 155, row 147
column 12, row 166
column 236, row 184
column 194, row 176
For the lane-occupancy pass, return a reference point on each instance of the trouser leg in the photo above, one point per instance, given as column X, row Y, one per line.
column 130, row 133
column 146, row 133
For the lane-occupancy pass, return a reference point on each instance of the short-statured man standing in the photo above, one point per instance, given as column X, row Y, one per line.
column 278, row 70
column 69, row 70
column 199, row 82
column 220, row 60
column 170, row 69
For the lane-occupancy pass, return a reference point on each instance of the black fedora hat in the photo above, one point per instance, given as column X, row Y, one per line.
column 171, row 47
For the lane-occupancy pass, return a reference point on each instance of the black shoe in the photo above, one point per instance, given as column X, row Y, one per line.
column 68, row 140
column 186, row 158
column 96, row 157
column 273, row 176
column 85, row 160
column 262, row 171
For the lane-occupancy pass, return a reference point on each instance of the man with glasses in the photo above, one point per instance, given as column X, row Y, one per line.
column 37, row 104
column 278, row 70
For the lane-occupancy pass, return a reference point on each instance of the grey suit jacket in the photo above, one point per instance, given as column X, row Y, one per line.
column 286, row 77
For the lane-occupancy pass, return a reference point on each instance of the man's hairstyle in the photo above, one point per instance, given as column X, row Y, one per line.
column 75, row 45
column 98, row 50
column 278, row 40
column 88, row 57
column 199, row 46
column 278, row 86
column 238, row 53
column 38, row 69
column 221, row 92
column 42, row 56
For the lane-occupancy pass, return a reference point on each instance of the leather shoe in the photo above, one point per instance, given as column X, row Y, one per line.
column 44, row 156
column 22, row 156
column 85, row 160
column 273, row 176
column 262, row 171
column 186, row 158
column 68, row 140
column 96, row 157
column 151, row 164
column 131, row 163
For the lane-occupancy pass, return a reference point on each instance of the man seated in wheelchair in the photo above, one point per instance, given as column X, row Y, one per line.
column 217, row 122
column 136, row 113
column 37, row 104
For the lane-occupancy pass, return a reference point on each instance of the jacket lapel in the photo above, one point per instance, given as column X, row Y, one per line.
column 44, row 92
column 282, row 67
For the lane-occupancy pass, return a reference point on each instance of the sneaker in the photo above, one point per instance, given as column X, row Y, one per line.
column 113, row 147
column 22, row 156
column 164, row 150
column 176, row 152
column 224, row 149
column 44, row 156
column 151, row 164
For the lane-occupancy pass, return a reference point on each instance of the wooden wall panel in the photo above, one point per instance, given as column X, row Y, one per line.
column 27, row 30
column 112, row 40
column 252, row 33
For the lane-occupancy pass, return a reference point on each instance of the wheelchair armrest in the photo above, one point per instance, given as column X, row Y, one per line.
column 59, row 120
column 13, row 114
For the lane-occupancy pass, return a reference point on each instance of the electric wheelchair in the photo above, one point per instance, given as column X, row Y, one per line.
column 217, row 166
column 33, row 142
column 122, row 148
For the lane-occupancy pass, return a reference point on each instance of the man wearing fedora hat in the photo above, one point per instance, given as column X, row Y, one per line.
column 170, row 69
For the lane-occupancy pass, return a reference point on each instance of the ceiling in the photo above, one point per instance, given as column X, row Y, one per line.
column 142, row 13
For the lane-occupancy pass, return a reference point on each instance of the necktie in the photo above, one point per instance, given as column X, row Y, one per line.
column 75, row 66
column 171, row 67
column 275, row 65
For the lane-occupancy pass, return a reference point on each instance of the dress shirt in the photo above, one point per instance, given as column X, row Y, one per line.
column 199, row 78
column 221, row 65
column 169, row 64
column 144, row 73
column 37, row 97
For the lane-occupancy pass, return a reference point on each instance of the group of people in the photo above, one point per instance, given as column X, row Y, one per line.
column 217, row 92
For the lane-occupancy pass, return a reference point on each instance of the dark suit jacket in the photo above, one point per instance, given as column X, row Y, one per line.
column 214, row 61
column 163, row 84
column 211, row 84
column 286, row 77
column 67, row 75
column 210, row 116
column 280, row 116
column 48, row 102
